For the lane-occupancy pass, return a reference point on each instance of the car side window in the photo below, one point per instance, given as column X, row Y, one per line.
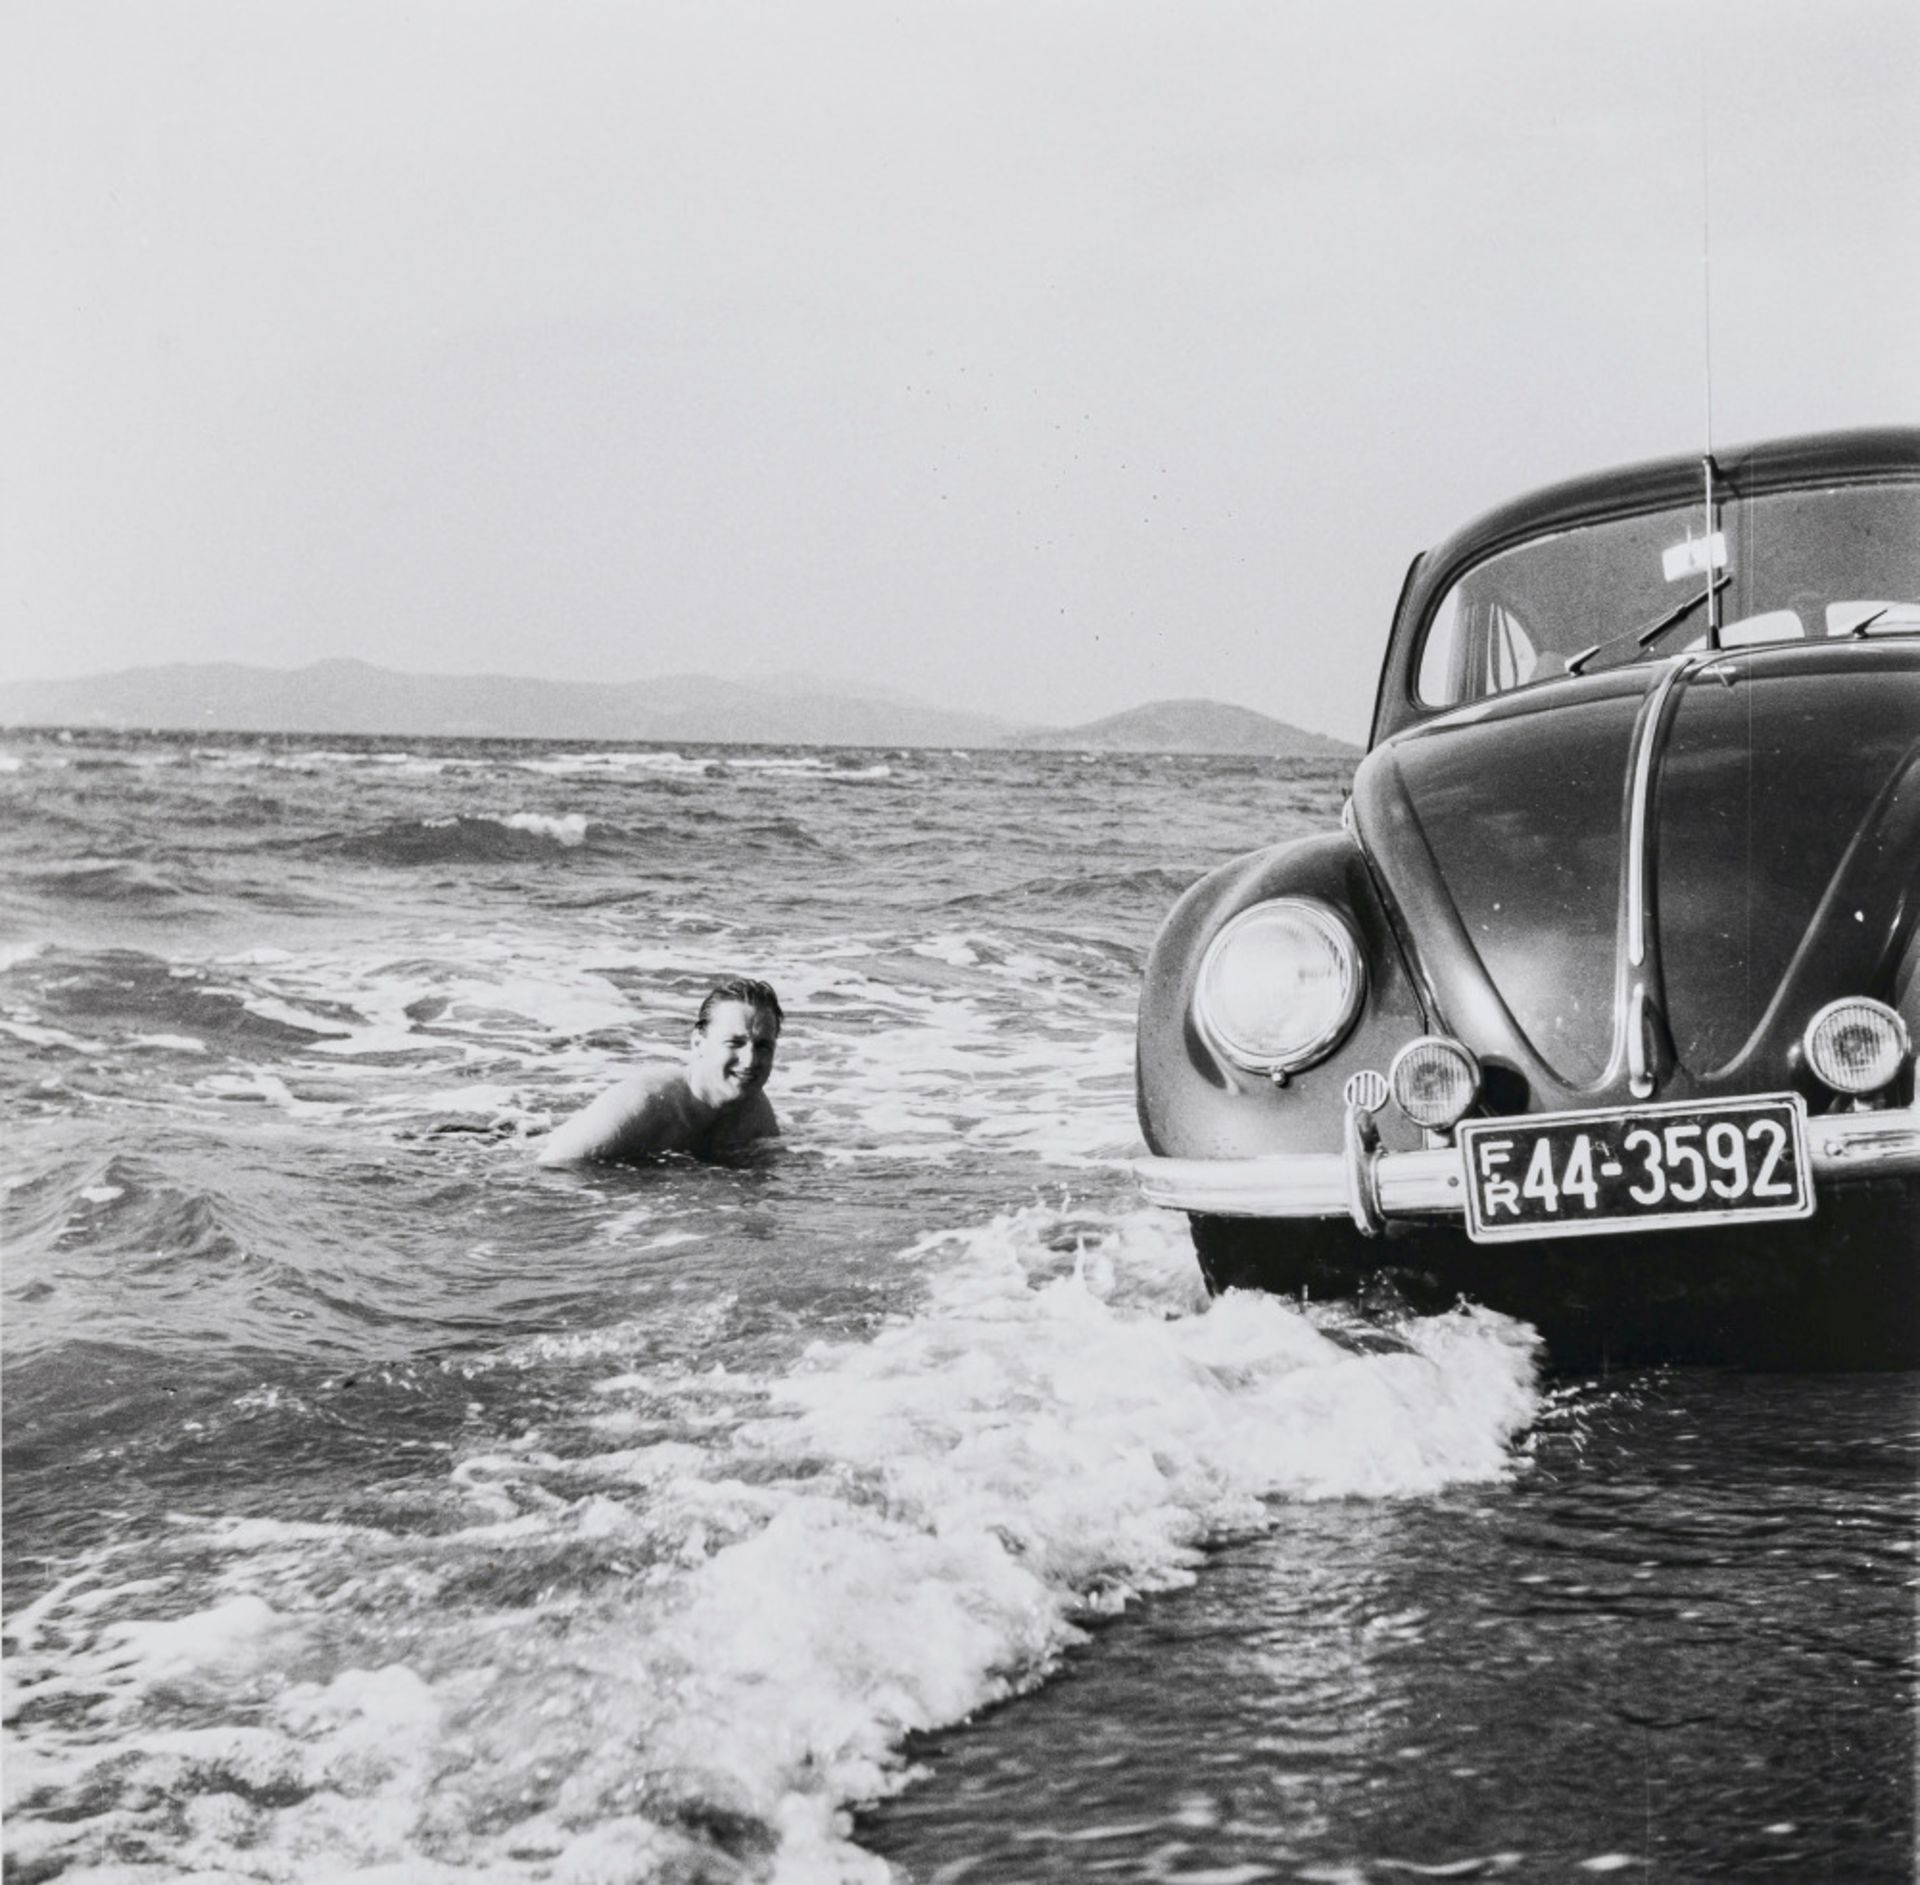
column 1474, row 648
column 1510, row 653
column 1442, row 677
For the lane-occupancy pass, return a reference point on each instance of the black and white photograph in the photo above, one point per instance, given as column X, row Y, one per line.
column 959, row 943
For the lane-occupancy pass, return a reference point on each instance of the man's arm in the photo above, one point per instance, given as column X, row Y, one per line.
column 635, row 1118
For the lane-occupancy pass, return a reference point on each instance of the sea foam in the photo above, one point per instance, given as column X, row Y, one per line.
column 683, row 1630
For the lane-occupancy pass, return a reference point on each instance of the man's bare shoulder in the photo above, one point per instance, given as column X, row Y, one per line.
column 647, row 1112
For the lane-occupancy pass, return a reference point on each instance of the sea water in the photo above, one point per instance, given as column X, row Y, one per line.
column 383, row 1506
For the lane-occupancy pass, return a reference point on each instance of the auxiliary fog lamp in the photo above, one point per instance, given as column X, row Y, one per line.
column 1280, row 985
column 1856, row 1045
column 1435, row 1080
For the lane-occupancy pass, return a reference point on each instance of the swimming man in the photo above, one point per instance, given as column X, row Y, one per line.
column 715, row 1104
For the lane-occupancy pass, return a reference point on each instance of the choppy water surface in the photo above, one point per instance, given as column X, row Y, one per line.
column 382, row 1506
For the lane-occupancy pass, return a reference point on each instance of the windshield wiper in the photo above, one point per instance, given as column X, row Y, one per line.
column 1644, row 637
column 1860, row 627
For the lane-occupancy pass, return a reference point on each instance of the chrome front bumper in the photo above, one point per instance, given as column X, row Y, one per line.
column 1370, row 1185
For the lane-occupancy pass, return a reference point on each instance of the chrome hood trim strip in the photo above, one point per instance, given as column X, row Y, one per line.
column 1650, row 739
column 1642, row 1046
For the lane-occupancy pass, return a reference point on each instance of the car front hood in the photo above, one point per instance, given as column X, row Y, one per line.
column 1722, row 843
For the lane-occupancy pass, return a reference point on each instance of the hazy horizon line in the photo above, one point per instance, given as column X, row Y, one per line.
column 776, row 681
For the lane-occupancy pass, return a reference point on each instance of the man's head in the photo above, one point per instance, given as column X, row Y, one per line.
column 734, row 1036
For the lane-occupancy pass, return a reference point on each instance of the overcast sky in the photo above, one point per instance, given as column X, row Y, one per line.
column 1036, row 356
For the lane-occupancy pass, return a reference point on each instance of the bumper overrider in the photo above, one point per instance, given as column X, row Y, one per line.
column 1374, row 1187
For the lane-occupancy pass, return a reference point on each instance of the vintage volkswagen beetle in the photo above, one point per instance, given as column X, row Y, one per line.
column 1600, row 1007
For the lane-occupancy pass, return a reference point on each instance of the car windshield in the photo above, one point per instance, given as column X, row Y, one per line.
column 1788, row 566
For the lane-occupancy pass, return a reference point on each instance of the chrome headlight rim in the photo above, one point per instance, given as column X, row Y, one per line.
column 1339, row 930
column 1897, row 1028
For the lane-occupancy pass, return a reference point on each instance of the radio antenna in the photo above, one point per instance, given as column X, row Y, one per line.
column 1706, row 349
column 1706, row 260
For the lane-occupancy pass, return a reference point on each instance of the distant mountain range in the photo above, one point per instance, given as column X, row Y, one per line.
column 355, row 697
column 1190, row 726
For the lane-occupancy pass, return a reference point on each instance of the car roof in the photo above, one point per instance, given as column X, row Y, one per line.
column 1812, row 458
column 1773, row 464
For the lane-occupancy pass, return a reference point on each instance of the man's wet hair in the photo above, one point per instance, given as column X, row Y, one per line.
column 741, row 988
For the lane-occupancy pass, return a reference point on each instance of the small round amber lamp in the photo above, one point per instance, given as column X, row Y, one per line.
column 1856, row 1045
column 1435, row 1080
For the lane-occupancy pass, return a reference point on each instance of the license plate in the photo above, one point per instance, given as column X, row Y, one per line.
column 1637, row 1168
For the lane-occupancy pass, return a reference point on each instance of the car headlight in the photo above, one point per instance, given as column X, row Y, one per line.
column 1280, row 985
column 1856, row 1045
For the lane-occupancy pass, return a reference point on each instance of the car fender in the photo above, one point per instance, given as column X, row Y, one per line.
column 1194, row 1103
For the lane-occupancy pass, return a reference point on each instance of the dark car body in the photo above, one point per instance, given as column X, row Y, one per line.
column 1641, row 804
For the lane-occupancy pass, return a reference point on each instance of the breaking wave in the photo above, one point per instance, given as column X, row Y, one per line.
column 683, row 1628
column 465, row 839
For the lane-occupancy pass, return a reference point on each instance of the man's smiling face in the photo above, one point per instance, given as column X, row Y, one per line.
column 732, row 1055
